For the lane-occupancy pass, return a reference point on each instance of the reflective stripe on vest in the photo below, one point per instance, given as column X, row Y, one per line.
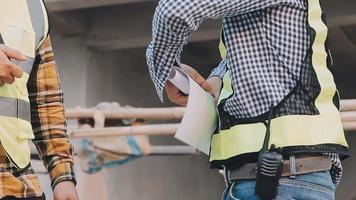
column 23, row 26
column 290, row 130
column 16, row 108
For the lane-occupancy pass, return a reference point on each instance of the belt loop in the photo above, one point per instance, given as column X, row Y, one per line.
column 292, row 166
column 227, row 176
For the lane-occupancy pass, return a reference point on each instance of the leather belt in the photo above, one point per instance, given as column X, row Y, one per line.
column 292, row 167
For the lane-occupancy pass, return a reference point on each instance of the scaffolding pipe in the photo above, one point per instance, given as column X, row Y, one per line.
column 349, row 116
column 157, row 150
column 348, row 105
column 170, row 113
column 149, row 130
column 172, row 150
column 349, row 126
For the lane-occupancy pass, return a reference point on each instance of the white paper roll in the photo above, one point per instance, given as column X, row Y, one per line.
column 179, row 79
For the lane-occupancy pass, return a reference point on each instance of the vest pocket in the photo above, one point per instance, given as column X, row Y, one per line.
column 14, row 139
column 20, row 39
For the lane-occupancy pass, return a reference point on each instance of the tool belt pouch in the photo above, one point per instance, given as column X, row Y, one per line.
column 269, row 171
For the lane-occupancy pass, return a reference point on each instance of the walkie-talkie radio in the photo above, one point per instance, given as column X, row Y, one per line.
column 269, row 171
column 269, row 168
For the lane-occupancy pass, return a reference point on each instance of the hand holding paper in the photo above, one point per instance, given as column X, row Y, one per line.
column 200, row 120
column 176, row 93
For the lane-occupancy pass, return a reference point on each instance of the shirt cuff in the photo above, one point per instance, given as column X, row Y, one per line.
column 219, row 71
column 160, row 69
column 62, row 172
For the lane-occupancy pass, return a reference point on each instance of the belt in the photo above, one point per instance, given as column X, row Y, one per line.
column 291, row 168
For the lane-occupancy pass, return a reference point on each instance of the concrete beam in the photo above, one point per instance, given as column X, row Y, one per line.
column 334, row 8
column 67, row 25
column 65, row 5
column 208, row 34
column 141, row 42
column 330, row 6
column 122, row 28
column 336, row 37
column 339, row 21
column 116, row 28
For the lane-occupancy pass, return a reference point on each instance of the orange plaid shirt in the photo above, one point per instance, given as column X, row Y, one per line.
column 49, row 126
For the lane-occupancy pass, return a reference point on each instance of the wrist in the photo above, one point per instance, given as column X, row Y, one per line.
column 65, row 190
column 69, row 183
column 62, row 172
column 216, row 83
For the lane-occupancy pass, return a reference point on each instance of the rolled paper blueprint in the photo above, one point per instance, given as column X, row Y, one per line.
column 180, row 79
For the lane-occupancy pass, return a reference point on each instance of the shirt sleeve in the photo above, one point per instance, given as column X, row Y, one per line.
column 173, row 22
column 220, row 70
column 48, row 118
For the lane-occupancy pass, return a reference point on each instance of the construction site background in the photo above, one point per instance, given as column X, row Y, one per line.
column 100, row 51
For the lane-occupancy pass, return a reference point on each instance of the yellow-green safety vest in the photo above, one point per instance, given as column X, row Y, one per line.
column 24, row 27
column 290, row 130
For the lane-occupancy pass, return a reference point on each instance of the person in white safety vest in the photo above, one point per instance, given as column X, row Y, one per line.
column 31, row 105
column 280, row 134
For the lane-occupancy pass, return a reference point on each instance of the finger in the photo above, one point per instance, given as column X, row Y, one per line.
column 12, row 53
column 175, row 95
column 216, row 84
column 9, row 80
column 202, row 82
column 182, row 103
column 3, row 57
column 16, row 71
column 179, row 100
column 197, row 77
column 187, row 68
column 170, row 88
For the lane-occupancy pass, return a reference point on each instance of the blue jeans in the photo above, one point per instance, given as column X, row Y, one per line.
column 313, row 186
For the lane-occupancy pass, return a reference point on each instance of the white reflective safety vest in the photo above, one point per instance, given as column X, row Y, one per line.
column 24, row 27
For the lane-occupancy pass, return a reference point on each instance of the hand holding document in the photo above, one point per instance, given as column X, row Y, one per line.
column 200, row 119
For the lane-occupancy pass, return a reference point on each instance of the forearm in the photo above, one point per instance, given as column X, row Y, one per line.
column 48, row 119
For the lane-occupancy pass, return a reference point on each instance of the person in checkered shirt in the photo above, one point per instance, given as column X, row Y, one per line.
column 274, row 53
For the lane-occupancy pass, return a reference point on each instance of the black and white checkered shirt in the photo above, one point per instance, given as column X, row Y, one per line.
column 266, row 42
